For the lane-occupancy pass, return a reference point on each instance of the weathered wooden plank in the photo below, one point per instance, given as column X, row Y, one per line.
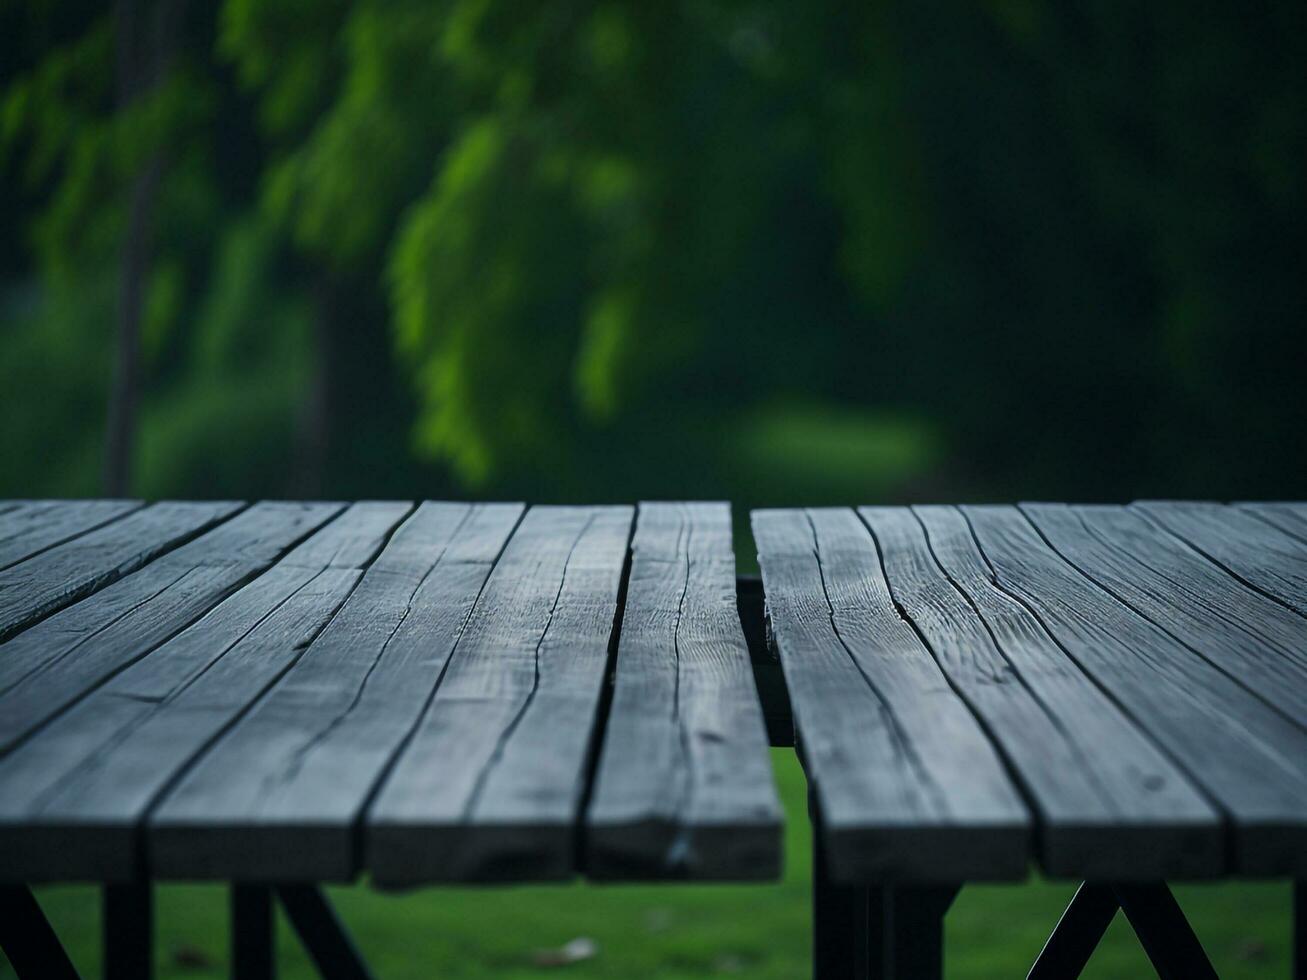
column 909, row 786
column 1250, row 758
column 1254, row 639
column 1110, row 805
column 280, row 795
column 74, row 569
column 73, row 797
column 492, row 783
column 49, row 666
column 12, row 511
column 1289, row 517
column 1254, row 551
column 684, row 786
column 37, row 527
column 354, row 539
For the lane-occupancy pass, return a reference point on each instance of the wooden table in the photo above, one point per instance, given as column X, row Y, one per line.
column 1116, row 694
column 286, row 694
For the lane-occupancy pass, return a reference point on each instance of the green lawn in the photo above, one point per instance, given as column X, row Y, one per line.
column 672, row 932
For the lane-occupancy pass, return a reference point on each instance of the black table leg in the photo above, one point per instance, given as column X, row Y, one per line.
column 28, row 940
column 1165, row 933
column 128, row 923
column 252, row 952
column 1077, row 934
column 1299, row 938
column 320, row 931
column 847, row 920
column 915, row 930
column 875, row 946
column 839, row 914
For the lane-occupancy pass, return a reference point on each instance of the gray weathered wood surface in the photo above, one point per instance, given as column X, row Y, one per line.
column 104, row 762
column 469, row 692
column 28, row 529
column 65, row 573
column 1268, row 559
column 910, row 787
column 52, row 664
column 1141, row 671
column 1288, row 517
column 491, row 784
column 1248, row 757
column 1245, row 634
column 684, row 786
column 280, row 794
column 1111, row 805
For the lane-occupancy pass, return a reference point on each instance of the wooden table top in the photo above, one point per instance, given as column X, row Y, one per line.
column 1115, row 693
column 310, row 691
column 477, row 692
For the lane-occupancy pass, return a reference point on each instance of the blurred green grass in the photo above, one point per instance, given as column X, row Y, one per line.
column 672, row 932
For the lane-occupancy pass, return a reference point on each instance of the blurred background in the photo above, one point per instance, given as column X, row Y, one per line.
column 771, row 252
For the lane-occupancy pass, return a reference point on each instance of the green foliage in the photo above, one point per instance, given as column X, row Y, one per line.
column 242, row 383
column 286, row 51
column 340, row 188
column 54, row 375
column 213, row 281
column 612, row 249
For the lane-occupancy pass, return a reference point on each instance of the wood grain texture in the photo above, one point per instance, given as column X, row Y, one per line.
column 1249, row 758
column 49, row 666
column 279, row 796
column 1254, row 639
column 1289, row 517
column 684, row 786
column 1110, row 805
column 73, row 797
column 68, row 572
column 354, row 539
column 491, row 785
column 38, row 526
column 910, row 788
column 1257, row 553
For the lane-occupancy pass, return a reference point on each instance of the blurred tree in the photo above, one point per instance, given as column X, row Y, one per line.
column 138, row 208
column 599, row 248
column 147, row 36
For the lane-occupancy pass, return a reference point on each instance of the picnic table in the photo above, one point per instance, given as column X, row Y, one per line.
column 284, row 694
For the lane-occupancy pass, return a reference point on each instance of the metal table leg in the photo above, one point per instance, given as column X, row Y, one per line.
column 252, row 949
column 1156, row 918
column 848, row 921
column 1300, row 930
column 28, row 940
column 1165, row 933
column 875, row 945
column 128, row 924
column 320, row 931
column 915, row 930
column 839, row 916
column 1077, row 934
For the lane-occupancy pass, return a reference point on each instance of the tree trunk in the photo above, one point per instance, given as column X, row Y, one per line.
column 146, row 37
column 315, row 434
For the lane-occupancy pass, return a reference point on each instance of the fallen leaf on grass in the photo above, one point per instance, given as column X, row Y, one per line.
column 580, row 948
column 658, row 920
column 188, row 957
column 1252, row 949
column 728, row 963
